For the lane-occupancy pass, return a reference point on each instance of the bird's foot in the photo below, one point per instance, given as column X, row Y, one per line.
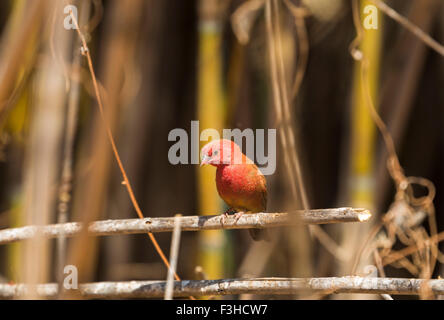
column 225, row 215
column 237, row 216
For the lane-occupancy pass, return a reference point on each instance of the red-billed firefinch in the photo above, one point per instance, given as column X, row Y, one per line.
column 239, row 181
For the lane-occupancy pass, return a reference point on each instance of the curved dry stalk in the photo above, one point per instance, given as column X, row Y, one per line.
column 126, row 182
column 407, row 234
column 303, row 47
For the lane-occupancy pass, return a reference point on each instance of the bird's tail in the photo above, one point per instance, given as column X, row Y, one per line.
column 259, row 234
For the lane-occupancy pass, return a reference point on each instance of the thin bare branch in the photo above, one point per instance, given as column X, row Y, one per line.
column 174, row 253
column 403, row 21
column 263, row 286
column 126, row 182
column 189, row 223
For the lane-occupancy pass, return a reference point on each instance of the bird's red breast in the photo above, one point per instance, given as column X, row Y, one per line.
column 242, row 186
column 239, row 181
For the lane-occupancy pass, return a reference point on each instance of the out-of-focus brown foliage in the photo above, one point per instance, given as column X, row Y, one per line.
column 280, row 64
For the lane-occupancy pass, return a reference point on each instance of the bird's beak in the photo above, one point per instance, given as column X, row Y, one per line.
column 204, row 160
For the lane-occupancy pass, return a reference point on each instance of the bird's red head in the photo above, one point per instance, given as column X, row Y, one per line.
column 222, row 152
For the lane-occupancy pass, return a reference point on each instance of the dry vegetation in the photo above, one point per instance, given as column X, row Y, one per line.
column 84, row 122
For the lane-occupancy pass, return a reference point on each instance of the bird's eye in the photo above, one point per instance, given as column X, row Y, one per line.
column 215, row 152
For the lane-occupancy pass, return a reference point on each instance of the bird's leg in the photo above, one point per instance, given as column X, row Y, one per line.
column 237, row 216
column 225, row 215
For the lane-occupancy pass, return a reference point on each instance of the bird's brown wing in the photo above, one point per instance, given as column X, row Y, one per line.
column 261, row 234
column 263, row 185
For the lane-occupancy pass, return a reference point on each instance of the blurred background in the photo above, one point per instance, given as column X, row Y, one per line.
column 162, row 64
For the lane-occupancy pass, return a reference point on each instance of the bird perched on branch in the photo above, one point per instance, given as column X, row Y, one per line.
column 239, row 181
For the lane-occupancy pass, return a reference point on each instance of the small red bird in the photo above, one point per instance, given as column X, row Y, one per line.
column 239, row 181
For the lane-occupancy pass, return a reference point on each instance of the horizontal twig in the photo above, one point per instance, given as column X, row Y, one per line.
column 188, row 223
column 262, row 286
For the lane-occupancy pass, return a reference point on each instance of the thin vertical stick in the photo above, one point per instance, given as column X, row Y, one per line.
column 283, row 118
column 276, row 93
column 42, row 158
column 286, row 110
column 64, row 197
column 174, row 253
